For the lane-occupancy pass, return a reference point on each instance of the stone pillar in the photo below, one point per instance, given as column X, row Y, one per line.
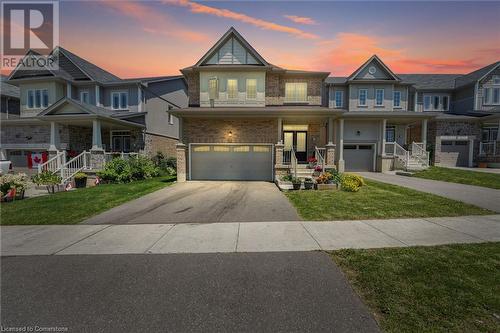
column 279, row 153
column 330, row 155
column 97, row 159
column 424, row 133
column 382, row 137
column 181, row 162
column 96, row 135
column 330, row 131
column 280, row 131
column 341, row 163
column 54, row 139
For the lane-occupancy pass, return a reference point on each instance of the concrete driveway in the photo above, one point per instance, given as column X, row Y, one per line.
column 204, row 202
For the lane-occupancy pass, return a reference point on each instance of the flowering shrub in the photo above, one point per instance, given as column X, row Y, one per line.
column 312, row 159
column 352, row 182
column 48, row 179
column 318, row 168
column 119, row 170
column 324, row 178
column 14, row 181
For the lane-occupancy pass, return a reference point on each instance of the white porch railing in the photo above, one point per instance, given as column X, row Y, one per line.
column 415, row 158
column 320, row 156
column 287, row 157
column 76, row 164
column 389, row 148
column 418, row 152
column 294, row 162
column 54, row 164
column 488, row 148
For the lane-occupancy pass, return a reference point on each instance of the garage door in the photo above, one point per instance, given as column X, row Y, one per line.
column 231, row 162
column 454, row 153
column 19, row 158
column 358, row 157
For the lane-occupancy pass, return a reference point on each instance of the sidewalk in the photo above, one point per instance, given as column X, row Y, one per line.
column 245, row 237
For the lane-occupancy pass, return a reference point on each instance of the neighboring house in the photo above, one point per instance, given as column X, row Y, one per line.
column 9, row 106
column 81, row 107
column 251, row 120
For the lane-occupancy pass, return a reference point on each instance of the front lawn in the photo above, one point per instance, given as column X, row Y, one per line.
column 376, row 201
column 452, row 288
column 75, row 206
column 490, row 180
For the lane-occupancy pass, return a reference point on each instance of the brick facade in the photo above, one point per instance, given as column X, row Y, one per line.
column 155, row 143
column 275, row 88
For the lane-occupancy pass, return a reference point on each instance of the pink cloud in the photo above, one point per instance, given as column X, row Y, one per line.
column 198, row 8
column 301, row 19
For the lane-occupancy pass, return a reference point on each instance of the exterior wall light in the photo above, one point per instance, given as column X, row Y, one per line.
column 230, row 134
column 358, row 133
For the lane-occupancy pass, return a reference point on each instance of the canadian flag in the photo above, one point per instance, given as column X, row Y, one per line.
column 36, row 158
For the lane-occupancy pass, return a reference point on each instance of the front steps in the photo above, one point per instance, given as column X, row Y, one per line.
column 304, row 172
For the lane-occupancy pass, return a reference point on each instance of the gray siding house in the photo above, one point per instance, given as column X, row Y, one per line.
column 81, row 107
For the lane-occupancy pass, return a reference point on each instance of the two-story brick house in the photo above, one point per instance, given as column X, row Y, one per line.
column 82, row 107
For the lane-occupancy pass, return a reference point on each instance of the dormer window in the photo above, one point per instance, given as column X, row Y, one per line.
column 496, row 79
column 84, row 97
column 119, row 100
column 491, row 96
column 37, row 98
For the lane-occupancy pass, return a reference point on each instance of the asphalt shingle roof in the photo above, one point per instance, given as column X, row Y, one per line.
column 8, row 89
column 430, row 81
column 474, row 76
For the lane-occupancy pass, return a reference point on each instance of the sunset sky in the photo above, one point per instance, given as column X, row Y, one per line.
column 152, row 38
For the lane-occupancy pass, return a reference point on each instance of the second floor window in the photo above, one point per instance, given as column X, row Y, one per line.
column 84, row 97
column 37, row 99
column 232, row 88
column 213, row 88
column 296, row 91
column 362, row 94
column 251, row 88
column 397, row 99
column 436, row 102
column 491, row 96
column 338, row 98
column 379, row 97
column 496, row 79
column 119, row 100
column 489, row 134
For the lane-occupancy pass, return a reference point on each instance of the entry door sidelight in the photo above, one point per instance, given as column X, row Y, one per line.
column 297, row 140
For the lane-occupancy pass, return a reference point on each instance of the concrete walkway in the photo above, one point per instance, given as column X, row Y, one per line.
column 475, row 195
column 245, row 237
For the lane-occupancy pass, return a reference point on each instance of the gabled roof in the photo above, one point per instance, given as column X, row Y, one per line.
column 476, row 75
column 232, row 32
column 8, row 89
column 430, row 81
column 373, row 58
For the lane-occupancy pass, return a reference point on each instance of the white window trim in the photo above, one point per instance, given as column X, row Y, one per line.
column 112, row 134
column 246, row 89
column 170, row 119
column 383, row 97
column 88, row 96
column 366, row 97
column 341, row 94
column 494, row 78
column 393, row 99
column 119, row 92
column 440, row 104
column 289, row 99
column 34, row 99
column 491, row 96
column 227, row 89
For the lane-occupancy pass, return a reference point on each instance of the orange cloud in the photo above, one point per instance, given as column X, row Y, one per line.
column 154, row 22
column 301, row 19
column 263, row 24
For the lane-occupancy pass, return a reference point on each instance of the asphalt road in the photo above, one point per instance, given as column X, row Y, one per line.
column 240, row 292
column 199, row 202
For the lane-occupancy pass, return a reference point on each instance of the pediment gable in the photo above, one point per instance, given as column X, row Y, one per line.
column 64, row 107
column 373, row 69
column 232, row 49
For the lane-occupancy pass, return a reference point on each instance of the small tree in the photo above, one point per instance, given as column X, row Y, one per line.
column 47, row 178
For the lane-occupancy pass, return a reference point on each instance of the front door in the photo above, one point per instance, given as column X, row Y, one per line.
column 297, row 140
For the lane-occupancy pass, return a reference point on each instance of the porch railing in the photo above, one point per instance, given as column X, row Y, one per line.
column 390, row 148
column 488, row 148
column 53, row 164
column 294, row 163
column 108, row 156
column 320, row 156
column 287, row 157
column 75, row 165
column 419, row 153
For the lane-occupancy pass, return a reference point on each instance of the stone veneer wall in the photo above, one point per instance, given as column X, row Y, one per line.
column 197, row 130
column 193, row 83
column 21, row 133
column 275, row 88
column 154, row 143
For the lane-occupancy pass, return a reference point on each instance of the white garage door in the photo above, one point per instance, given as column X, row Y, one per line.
column 358, row 157
column 231, row 162
column 454, row 153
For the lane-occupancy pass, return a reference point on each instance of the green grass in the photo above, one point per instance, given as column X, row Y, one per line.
column 376, row 201
column 75, row 206
column 451, row 288
column 490, row 180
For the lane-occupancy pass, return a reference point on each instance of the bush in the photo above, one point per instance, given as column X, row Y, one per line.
column 352, row 182
column 80, row 175
column 287, row 178
column 48, row 179
column 167, row 165
column 10, row 181
column 119, row 170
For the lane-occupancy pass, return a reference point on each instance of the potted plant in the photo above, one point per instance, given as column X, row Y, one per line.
column 326, row 181
column 317, row 170
column 297, row 183
column 312, row 161
column 13, row 186
column 81, row 180
column 308, row 183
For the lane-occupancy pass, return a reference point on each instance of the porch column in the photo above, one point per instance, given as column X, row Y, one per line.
column 382, row 148
column 96, row 135
column 424, row 133
column 3, row 154
column 341, row 163
column 330, row 131
column 280, row 131
column 181, row 162
column 54, row 137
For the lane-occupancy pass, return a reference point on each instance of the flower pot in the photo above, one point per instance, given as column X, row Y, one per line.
column 328, row 187
column 296, row 186
column 483, row 164
column 308, row 185
column 81, row 182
